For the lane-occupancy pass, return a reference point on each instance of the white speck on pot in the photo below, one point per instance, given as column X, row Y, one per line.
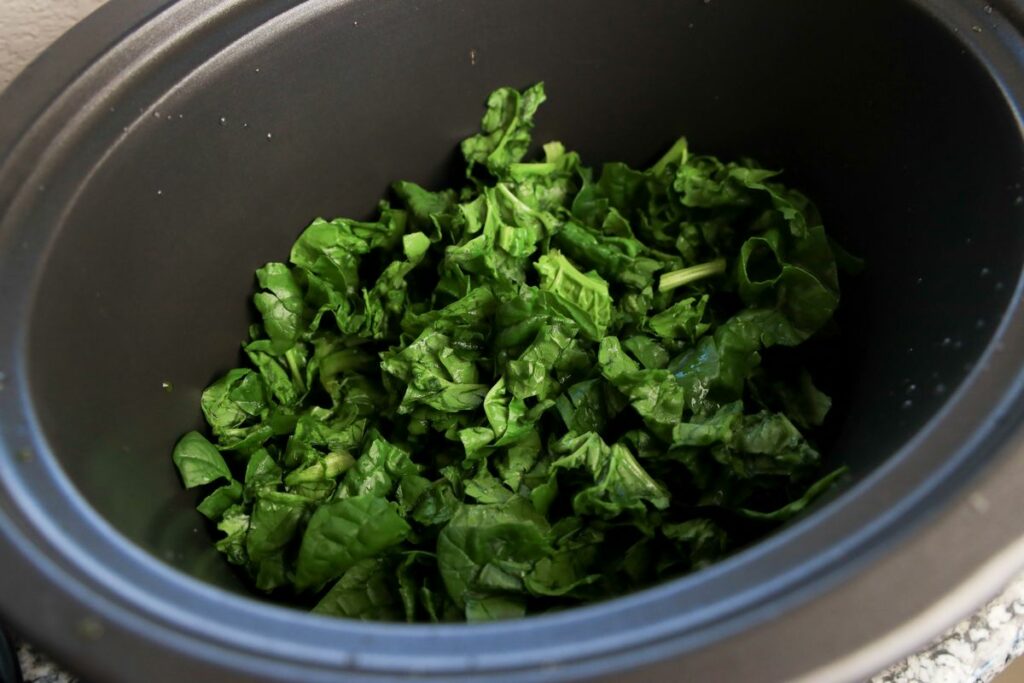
column 988, row 9
column 908, row 404
column 985, row 272
column 979, row 502
column 940, row 389
column 223, row 120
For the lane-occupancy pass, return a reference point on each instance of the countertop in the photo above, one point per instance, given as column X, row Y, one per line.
column 975, row 651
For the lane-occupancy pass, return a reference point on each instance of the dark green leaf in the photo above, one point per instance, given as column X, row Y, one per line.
column 342, row 533
column 485, row 542
column 797, row 506
column 476, row 404
column 378, row 471
column 361, row 593
column 215, row 504
column 198, row 461
column 274, row 521
column 620, row 483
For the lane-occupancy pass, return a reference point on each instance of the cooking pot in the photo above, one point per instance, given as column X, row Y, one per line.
column 162, row 151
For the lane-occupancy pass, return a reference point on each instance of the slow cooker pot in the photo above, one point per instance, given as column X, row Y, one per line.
column 162, row 151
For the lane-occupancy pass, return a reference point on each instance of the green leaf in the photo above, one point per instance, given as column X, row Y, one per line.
column 281, row 303
column 494, row 608
column 214, row 505
column 198, row 461
column 803, row 402
column 582, row 407
column 505, row 130
column 546, row 385
column 262, row 473
column 798, row 279
column 363, row 592
column 378, row 471
column 274, row 521
column 234, row 524
column 618, row 259
column 425, row 208
column 683, row 320
column 797, row 506
column 700, row 541
column 342, row 533
column 620, row 483
column 484, row 542
column 282, row 374
column 234, row 401
column 656, row 395
column 584, row 296
column 331, row 250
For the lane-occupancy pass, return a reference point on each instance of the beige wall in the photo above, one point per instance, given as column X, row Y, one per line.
column 28, row 26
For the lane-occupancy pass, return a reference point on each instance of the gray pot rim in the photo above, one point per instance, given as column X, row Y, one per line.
column 76, row 586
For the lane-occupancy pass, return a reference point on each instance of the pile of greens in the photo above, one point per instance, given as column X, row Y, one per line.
column 548, row 387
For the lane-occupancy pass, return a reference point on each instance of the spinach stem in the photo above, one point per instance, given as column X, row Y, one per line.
column 293, row 367
column 684, row 276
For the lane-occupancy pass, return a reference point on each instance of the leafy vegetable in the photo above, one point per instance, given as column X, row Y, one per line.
column 552, row 385
column 198, row 461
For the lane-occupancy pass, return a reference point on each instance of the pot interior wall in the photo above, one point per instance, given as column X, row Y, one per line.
column 871, row 107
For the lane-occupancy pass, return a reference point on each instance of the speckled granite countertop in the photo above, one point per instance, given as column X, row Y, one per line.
column 975, row 651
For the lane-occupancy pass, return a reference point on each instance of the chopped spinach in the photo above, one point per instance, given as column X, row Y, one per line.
column 550, row 386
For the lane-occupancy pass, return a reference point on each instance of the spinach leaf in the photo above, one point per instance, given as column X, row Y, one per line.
column 198, row 461
column 490, row 547
column 549, row 385
column 281, row 303
column 343, row 533
column 505, row 129
column 363, row 592
column 217, row 503
column 583, row 296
